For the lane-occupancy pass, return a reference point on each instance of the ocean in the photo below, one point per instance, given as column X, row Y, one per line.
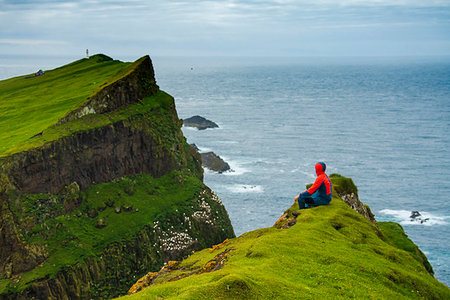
column 384, row 122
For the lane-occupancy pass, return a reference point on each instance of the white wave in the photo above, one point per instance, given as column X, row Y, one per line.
column 227, row 142
column 425, row 218
column 189, row 128
column 236, row 168
column 302, row 171
column 245, row 188
column 203, row 149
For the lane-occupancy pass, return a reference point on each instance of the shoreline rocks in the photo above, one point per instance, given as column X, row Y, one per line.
column 199, row 122
column 213, row 162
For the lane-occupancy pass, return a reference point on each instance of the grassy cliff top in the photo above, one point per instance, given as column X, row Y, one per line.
column 160, row 100
column 331, row 252
column 30, row 105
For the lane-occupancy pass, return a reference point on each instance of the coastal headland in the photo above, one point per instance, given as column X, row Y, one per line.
column 100, row 195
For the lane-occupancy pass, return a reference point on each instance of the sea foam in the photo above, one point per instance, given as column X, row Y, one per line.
column 425, row 218
column 245, row 188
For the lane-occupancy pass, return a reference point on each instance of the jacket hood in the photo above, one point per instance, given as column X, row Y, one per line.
column 320, row 168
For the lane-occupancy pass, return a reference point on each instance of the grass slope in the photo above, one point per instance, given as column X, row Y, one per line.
column 149, row 105
column 28, row 106
column 331, row 252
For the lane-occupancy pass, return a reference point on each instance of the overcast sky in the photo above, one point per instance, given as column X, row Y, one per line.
column 226, row 28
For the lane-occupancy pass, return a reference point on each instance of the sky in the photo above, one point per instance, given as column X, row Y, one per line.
column 259, row 28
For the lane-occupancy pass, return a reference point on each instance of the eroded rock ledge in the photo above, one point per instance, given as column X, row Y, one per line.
column 95, row 156
column 214, row 162
column 139, row 82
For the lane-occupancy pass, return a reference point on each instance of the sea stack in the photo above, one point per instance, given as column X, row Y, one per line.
column 199, row 122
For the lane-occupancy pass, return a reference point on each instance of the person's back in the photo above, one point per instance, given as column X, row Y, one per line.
column 320, row 192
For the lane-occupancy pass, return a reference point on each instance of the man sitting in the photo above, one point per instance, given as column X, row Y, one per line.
column 319, row 193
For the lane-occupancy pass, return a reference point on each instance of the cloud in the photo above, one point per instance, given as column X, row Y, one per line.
column 203, row 27
column 30, row 42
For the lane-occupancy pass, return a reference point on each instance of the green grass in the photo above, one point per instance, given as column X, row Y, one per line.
column 28, row 106
column 73, row 237
column 332, row 252
column 161, row 101
column 397, row 237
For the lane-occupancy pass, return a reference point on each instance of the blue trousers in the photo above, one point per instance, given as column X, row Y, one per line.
column 311, row 201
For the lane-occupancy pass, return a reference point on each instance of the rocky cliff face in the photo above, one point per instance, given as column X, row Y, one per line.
column 47, row 206
column 94, row 156
column 131, row 87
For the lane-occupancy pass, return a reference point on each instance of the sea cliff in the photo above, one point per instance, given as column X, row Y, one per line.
column 96, row 189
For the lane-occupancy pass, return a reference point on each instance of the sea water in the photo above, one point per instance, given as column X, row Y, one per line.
column 383, row 122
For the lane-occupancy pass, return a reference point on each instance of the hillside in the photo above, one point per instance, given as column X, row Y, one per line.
column 97, row 182
column 327, row 252
column 28, row 106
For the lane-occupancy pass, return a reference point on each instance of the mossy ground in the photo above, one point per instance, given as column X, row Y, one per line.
column 29, row 106
column 72, row 237
column 331, row 252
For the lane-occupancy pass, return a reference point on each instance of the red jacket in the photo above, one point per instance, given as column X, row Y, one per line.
column 322, row 184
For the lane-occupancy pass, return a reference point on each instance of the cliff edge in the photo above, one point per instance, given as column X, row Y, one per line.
column 336, row 251
column 97, row 182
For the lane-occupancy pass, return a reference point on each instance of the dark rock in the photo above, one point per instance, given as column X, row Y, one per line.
column 195, row 147
column 199, row 122
column 213, row 162
column 353, row 201
column 414, row 214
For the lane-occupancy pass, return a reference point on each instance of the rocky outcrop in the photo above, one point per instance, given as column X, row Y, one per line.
column 90, row 157
column 199, row 122
column 363, row 209
column 345, row 189
column 213, row 162
column 139, row 82
column 173, row 266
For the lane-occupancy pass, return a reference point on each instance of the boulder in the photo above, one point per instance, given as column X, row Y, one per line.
column 199, row 122
column 213, row 162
